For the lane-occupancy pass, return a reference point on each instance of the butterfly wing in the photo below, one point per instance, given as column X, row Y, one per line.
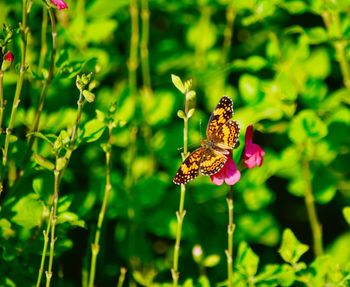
column 221, row 114
column 189, row 169
column 212, row 162
column 227, row 135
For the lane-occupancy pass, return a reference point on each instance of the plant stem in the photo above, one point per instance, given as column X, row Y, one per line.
column 134, row 39
column 53, row 227
column 58, row 175
column 230, row 230
column 145, row 14
column 43, row 253
column 16, row 100
column 2, row 100
column 180, row 214
column 121, row 277
column 333, row 25
column 43, row 49
column 230, row 17
column 316, row 227
column 95, row 247
column 48, row 78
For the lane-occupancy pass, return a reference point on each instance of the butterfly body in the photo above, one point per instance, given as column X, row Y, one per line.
column 222, row 135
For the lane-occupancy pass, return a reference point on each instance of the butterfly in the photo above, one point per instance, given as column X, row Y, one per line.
column 222, row 134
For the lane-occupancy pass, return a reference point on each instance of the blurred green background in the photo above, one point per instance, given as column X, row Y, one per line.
column 284, row 63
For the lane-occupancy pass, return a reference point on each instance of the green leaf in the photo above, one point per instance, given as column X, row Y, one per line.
column 61, row 163
column 190, row 113
column 203, row 281
column 71, row 218
column 346, row 213
column 324, row 185
column 43, row 162
column 89, row 97
column 93, row 130
column 253, row 63
column 247, row 261
column 178, row 83
column 306, row 126
column 181, row 114
column 28, row 211
column 211, row 260
column 249, row 87
column 291, row 249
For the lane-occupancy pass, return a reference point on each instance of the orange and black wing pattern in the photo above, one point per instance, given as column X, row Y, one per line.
column 227, row 135
column 189, row 169
column 220, row 116
column 212, row 162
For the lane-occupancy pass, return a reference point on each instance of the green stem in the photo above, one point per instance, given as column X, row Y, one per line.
column 333, row 25
column 47, row 80
column 180, row 214
column 121, row 277
column 16, row 100
column 58, row 175
column 316, row 227
column 43, row 253
column 145, row 14
column 228, row 32
column 43, row 49
column 2, row 100
column 95, row 247
column 230, row 230
column 53, row 227
column 134, row 39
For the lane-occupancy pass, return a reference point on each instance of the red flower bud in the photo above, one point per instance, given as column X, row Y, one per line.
column 59, row 4
column 7, row 61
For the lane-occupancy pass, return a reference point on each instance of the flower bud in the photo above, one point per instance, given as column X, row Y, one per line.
column 59, row 4
column 7, row 61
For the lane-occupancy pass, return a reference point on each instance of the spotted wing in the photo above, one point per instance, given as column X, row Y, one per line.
column 189, row 169
column 212, row 162
column 221, row 114
column 227, row 135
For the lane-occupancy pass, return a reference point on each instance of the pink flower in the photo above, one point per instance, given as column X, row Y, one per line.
column 229, row 173
column 253, row 154
column 59, row 4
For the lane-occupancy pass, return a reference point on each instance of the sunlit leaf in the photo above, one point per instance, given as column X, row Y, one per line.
column 291, row 249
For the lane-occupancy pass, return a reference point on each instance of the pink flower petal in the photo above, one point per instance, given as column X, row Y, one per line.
column 228, row 173
column 253, row 154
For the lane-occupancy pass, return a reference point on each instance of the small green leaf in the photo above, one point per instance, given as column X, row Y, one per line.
column 181, row 114
column 178, row 83
column 72, row 218
column 89, row 97
column 93, row 130
column 211, row 260
column 247, row 261
column 346, row 213
column 61, row 163
column 249, row 87
column 43, row 162
column 306, row 125
column 188, row 283
column 28, row 212
column 190, row 113
column 291, row 249
column 203, row 281
column 190, row 95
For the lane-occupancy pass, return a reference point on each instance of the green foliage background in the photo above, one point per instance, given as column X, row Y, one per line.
column 286, row 67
